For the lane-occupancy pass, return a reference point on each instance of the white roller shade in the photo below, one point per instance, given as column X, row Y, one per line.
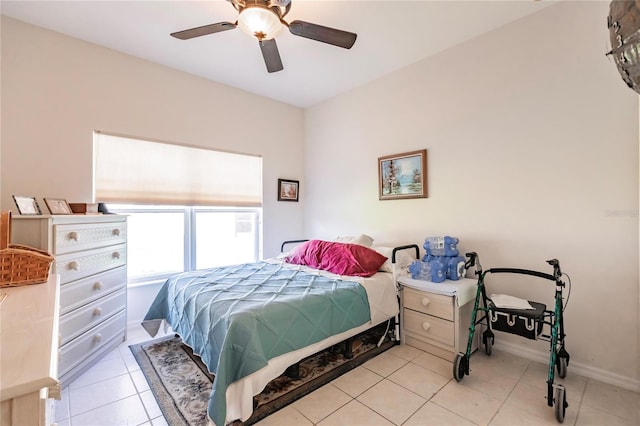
column 141, row 172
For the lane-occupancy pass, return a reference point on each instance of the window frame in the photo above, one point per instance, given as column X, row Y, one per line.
column 189, row 233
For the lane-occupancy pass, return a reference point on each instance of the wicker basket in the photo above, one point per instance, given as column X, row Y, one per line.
column 20, row 265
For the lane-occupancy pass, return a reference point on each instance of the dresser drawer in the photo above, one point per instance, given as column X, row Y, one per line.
column 429, row 303
column 77, row 322
column 69, row 238
column 74, row 266
column 80, row 292
column 429, row 327
column 77, row 350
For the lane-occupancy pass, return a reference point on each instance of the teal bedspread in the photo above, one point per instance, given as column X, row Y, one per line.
column 239, row 317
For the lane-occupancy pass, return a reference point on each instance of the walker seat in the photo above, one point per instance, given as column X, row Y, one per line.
column 523, row 322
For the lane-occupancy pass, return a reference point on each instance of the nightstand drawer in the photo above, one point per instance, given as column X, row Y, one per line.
column 77, row 322
column 77, row 236
column 429, row 303
column 74, row 266
column 429, row 327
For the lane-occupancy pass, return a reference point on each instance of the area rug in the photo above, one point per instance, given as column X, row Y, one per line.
column 181, row 383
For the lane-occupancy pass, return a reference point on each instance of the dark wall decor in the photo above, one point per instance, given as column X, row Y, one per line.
column 624, row 33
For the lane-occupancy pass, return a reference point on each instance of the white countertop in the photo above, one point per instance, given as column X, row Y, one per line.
column 29, row 338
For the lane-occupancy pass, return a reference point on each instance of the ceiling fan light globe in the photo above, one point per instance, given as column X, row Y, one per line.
column 259, row 22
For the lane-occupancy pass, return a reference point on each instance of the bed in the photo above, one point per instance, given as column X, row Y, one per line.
column 250, row 322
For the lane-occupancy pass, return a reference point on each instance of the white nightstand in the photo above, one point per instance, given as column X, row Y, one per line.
column 435, row 318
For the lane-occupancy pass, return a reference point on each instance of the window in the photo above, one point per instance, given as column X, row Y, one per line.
column 164, row 240
column 189, row 208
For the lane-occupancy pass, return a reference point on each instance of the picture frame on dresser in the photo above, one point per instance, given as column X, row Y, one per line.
column 58, row 206
column 27, row 205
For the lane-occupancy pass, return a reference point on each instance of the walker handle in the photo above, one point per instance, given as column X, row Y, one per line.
column 557, row 273
column 473, row 260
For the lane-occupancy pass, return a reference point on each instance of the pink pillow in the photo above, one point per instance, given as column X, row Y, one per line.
column 339, row 258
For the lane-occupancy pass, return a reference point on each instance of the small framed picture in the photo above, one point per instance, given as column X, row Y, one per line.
column 288, row 190
column 58, row 206
column 26, row 205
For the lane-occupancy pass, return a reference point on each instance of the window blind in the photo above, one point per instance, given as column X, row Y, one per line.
column 134, row 171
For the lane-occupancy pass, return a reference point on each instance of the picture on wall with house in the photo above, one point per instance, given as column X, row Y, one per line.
column 403, row 175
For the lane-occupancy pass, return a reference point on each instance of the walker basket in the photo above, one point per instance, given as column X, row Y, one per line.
column 20, row 265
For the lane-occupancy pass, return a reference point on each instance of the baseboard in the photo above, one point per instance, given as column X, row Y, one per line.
column 579, row 368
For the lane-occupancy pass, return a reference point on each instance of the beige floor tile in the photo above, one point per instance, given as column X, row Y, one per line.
column 435, row 364
column 405, row 352
column 128, row 411
column 495, row 386
column 536, row 375
column 613, row 400
column 129, row 359
column 356, row 381
column 510, row 415
column 432, row 414
column 384, row 364
column 534, row 400
column 321, row 402
column 106, row 368
column 86, row 398
column 140, row 381
column 419, row 380
column 159, row 421
column 286, row 416
column 499, row 363
column 355, row 414
column 468, row 403
column 392, row 401
column 150, row 404
column 589, row 416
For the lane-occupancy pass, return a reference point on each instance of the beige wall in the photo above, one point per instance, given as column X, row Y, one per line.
column 532, row 142
column 57, row 90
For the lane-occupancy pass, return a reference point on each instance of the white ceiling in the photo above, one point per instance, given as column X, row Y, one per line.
column 391, row 35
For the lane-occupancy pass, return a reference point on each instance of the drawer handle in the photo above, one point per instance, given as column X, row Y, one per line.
column 97, row 338
column 97, row 312
column 116, row 232
column 426, row 326
column 73, row 235
column 97, row 286
column 425, row 301
column 74, row 266
column 116, row 255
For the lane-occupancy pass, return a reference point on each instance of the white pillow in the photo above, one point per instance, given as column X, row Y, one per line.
column 362, row 239
column 403, row 258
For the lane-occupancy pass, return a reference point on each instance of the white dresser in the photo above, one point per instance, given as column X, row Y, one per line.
column 29, row 353
column 90, row 256
column 435, row 317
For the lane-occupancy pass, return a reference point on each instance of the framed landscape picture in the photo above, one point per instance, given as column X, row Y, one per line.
column 403, row 175
column 288, row 190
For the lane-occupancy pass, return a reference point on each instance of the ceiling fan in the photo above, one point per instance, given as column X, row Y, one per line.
column 264, row 19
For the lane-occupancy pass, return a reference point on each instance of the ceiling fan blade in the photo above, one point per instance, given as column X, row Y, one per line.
column 271, row 55
column 324, row 34
column 204, row 30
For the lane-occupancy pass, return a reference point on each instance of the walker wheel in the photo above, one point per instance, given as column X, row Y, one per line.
column 460, row 367
column 488, row 345
column 561, row 364
column 560, row 403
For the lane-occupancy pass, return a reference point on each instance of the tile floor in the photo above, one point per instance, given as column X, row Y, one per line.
column 396, row 388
